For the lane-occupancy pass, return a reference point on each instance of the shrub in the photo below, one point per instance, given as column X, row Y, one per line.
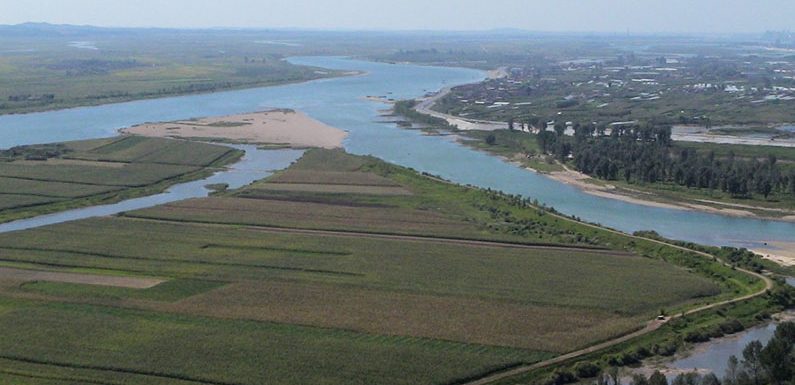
column 586, row 369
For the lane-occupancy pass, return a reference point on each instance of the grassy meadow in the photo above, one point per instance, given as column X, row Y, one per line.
column 345, row 282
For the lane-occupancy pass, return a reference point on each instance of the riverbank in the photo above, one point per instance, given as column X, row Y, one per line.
column 591, row 186
column 712, row 356
column 281, row 127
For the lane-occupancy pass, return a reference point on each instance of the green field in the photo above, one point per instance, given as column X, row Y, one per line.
column 46, row 178
column 41, row 72
column 295, row 286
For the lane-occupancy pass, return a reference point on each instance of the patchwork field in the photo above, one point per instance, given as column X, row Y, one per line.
column 308, row 283
column 46, row 178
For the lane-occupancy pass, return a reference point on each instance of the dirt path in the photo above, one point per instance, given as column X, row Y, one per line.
column 7, row 273
column 650, row 327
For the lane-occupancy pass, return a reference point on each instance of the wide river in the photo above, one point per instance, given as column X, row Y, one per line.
column 341, row 102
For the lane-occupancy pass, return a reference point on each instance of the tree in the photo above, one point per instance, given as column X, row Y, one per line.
column 752, row 362
column 510, row 124
column 639, row 379
column 732, row 371
column 560, row 128
column 491, row 139
column 657, row 378
column 710, row 379
column 691, row 378
column 776, row 359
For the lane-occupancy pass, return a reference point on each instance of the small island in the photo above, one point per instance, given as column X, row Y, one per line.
column 281, row 127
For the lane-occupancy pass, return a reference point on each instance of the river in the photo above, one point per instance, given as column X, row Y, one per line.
column 341, row 102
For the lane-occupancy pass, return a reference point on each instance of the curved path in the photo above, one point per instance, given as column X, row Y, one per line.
column 650, row 327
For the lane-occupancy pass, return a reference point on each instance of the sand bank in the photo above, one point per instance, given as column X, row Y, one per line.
column 582, row 182
column 282, row 127
column 782, row 253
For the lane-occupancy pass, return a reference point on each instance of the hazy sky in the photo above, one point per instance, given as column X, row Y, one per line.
column 537, row 15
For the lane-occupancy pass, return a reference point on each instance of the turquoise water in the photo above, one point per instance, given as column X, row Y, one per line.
column 340, row 102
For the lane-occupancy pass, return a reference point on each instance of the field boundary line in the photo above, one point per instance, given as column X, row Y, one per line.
column 388, row 236
column 119, row 370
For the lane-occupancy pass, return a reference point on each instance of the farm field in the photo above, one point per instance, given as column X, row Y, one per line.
column 42, row 70
column 46, row 178
column 431, row 286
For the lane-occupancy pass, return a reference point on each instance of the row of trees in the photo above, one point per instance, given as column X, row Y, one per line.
column 644, row 153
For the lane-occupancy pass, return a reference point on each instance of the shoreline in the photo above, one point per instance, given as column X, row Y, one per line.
column 664, row 364
column 579, row 180
column 121, row 100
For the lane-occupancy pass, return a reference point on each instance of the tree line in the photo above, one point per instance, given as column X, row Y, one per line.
column 645, row 154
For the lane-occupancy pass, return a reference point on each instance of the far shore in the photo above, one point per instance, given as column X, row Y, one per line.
column 581, row 181
column 281, row 127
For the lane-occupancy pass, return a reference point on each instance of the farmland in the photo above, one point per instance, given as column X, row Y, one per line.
column 46, row 178
column 42, row 69
column 432, row 285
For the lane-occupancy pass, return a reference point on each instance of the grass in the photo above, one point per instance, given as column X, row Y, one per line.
column 283, row 305
column 100, row 171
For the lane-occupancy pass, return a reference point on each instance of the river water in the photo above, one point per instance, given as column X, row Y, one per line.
column 341, row 102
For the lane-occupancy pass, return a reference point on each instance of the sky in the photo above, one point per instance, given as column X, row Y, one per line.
column 635, row 16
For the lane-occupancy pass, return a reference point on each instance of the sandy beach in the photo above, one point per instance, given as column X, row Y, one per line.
column 280, row 127
column 782, row 253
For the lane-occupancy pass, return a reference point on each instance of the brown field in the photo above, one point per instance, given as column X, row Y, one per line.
column 352, row 178
column 69, row 162
column 332, row 188
column 23, row 275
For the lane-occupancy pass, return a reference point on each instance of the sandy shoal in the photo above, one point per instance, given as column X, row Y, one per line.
column 282, row 127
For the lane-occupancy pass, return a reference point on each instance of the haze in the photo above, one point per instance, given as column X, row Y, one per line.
column 636, row 16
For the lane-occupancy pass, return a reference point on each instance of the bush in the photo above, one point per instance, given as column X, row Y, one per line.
column 665, row 349
column 586, row 369
column 560, row 377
